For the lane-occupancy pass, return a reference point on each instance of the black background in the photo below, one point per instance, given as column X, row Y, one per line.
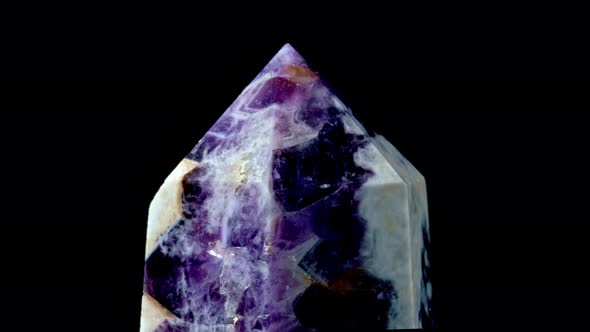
column 504, row 160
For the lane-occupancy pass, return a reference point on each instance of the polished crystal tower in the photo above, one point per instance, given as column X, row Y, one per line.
column 288, row 216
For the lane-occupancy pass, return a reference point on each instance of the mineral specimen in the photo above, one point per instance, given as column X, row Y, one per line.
column 288, row 216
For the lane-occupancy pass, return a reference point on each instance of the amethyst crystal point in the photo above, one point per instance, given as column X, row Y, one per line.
column 288, row 216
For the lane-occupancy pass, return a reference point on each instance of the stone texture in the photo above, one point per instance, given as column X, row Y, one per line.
column 288, row 216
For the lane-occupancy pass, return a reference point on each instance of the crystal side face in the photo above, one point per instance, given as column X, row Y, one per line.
column 288, row 216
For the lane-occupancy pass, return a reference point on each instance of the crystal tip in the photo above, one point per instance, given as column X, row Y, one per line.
column 287, row 55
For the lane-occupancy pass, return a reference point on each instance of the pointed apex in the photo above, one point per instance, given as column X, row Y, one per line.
column 285, row 57
column 291, row 55
column 287, row 48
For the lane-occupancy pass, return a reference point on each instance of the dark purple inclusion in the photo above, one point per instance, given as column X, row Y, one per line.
column 314, row 169
column 315, row 182
column 314, row 114
column 274, row 90
column 358, row 301
column 193, row 193
column 165, row 274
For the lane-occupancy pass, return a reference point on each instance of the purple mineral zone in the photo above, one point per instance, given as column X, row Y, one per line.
column 269, row 236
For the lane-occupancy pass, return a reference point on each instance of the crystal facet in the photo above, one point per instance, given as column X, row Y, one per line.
column 288, row 216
